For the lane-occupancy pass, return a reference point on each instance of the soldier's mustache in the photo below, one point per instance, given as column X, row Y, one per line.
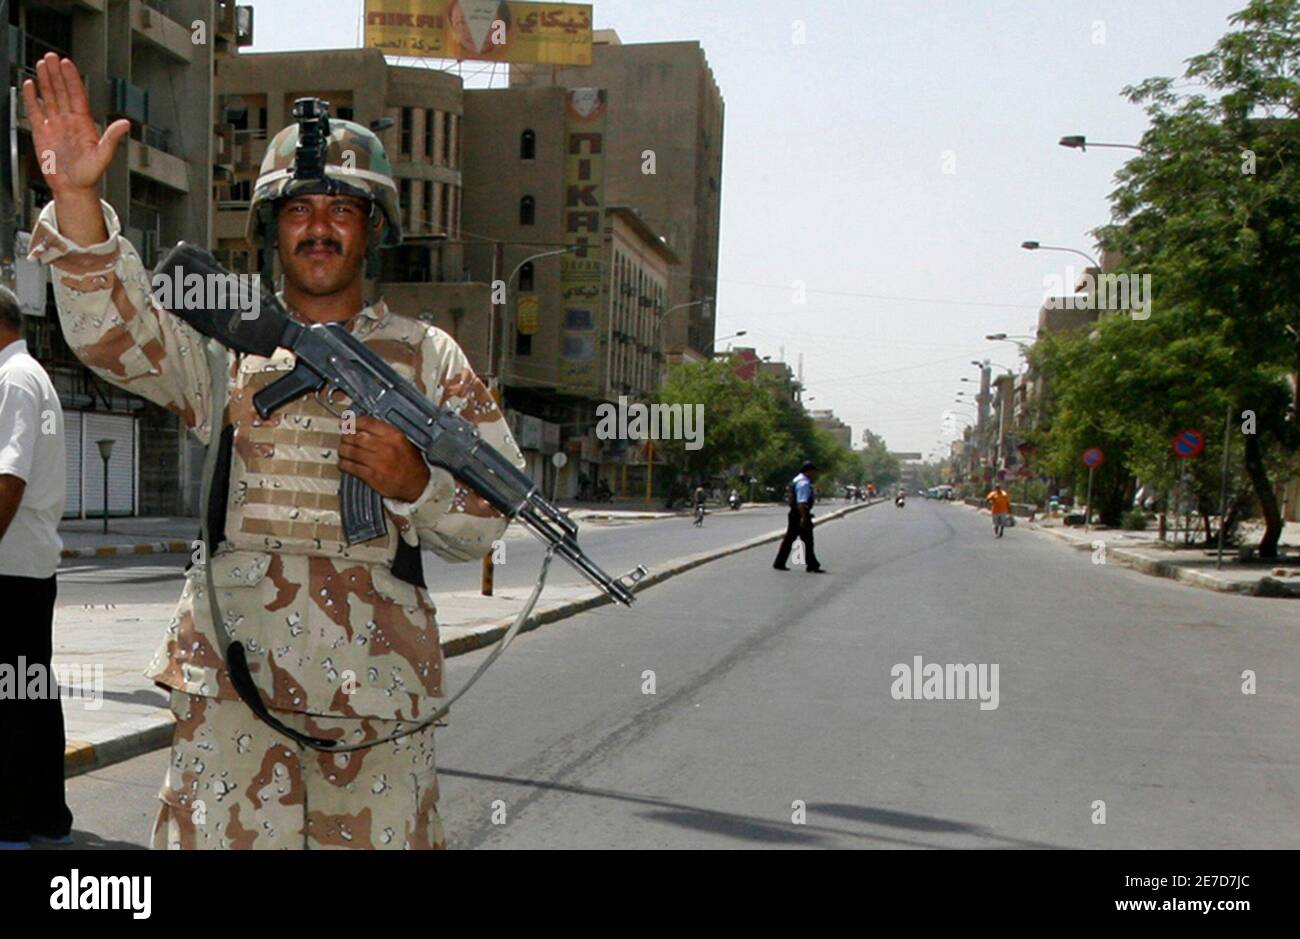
column 311, row 243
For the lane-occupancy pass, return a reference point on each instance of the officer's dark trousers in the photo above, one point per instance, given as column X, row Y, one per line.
column 31, row 730
column 795, row 528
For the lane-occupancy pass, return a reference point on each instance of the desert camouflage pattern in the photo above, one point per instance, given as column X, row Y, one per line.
column 355, row 161
column 234, row 783
column 329, row 630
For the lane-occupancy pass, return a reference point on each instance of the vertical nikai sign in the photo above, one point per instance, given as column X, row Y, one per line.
column 580, row 270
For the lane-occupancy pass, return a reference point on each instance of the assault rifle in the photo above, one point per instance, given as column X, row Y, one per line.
column 331, row 362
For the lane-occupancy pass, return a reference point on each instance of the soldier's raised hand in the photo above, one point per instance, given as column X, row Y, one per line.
column 72, row 153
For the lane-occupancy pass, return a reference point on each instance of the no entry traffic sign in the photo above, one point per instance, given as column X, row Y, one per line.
column 1093, row 457
column 1188, row 443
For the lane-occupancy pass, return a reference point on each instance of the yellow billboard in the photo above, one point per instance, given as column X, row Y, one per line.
column 490, row 30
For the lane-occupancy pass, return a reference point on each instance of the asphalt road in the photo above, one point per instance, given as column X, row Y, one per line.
column 618, row 546
column 773, row 691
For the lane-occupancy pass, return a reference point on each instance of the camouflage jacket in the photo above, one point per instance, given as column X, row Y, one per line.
column 329, row 629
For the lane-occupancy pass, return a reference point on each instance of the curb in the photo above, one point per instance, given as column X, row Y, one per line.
column 144, row 547
column 488, row 633
column 146, row 734
column 1264, row 587
column 117, row 744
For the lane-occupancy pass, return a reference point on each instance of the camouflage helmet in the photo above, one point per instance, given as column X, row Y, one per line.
column 356, row 165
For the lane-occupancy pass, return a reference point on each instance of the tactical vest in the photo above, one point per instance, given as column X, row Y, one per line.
column 281, row 477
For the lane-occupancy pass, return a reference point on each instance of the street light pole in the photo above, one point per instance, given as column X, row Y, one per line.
column 488, row 579
column 1081, row 143
column 105, row 451
column 683, row 306
column 505, row 293
column 743, row 332
column 1035, row 246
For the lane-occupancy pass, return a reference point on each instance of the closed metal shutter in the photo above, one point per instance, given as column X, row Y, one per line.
column 72, row 463
column 121, row 466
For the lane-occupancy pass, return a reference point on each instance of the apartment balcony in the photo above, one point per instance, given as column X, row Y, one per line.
column 230, row 221
column 160, row 31
column 241, row 150
column 154, row 163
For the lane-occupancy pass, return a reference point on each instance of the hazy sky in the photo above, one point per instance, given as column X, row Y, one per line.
column 834, row 163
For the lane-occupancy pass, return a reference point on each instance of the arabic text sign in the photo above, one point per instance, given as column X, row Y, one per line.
column 580, row 270
column 491, row 30
column 527, row 307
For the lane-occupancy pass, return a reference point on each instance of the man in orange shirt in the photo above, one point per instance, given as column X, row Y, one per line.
column 1000, row 505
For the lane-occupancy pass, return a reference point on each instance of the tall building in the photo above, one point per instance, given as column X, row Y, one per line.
column 663, row 155
column 827, row 421
column 586, row 278
column 146, row 62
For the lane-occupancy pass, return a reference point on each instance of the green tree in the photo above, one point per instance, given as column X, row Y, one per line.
column 878, row 465
column 741, row 422
column 1211, row 210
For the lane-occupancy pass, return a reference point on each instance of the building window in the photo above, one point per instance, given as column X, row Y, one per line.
column 446, row 206
column 526, row 278
column 523, row 344
column 428, row 204
column 528, row 145
column 407, row 129
column 344, row 114
column 429, row 117
column 447, row 124
column 527, row 210
column 406, row 211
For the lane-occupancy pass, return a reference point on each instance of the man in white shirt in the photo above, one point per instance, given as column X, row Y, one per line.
column 32, row 804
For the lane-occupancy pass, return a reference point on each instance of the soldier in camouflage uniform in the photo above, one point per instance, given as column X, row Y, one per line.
column 342, row 640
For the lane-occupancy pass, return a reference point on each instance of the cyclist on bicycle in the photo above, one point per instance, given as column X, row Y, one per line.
column 700, row 497
column 1000, row 505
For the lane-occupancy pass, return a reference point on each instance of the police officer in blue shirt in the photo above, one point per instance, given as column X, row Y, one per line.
column 799, row 524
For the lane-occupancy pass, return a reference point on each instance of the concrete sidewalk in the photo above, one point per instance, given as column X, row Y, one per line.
column 109, row 648
column 1195, row 566
column 84, row 537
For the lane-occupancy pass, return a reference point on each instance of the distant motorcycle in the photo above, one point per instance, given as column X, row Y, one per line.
column 734, row 502
column 900, row 500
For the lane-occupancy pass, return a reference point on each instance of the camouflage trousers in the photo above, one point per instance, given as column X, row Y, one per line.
column 234, row 783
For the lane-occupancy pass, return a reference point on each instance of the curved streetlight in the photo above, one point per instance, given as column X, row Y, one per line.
column 492, row 322
column 1035, row 246
column 735, row 335
column 1082, row 143
column 1022, row 346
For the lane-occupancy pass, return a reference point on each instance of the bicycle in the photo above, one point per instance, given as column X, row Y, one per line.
column 699, row 515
